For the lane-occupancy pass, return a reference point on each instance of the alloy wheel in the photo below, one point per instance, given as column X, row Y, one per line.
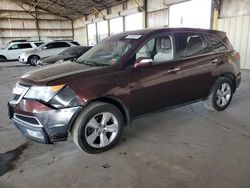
column 223, row 94
column 101, row 130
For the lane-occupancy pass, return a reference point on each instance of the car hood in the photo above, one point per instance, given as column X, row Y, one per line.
column 51, row 73
column 53, row 59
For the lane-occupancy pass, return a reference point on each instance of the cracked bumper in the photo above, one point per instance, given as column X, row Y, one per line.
column 42, row 124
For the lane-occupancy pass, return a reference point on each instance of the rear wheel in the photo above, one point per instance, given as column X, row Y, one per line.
column 98, row 127
column 33, row 60
column 221, row 95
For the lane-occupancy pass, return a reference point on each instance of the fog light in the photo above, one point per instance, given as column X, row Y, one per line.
column 35, row 134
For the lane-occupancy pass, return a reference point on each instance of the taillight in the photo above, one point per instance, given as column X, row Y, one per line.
column 237, row 56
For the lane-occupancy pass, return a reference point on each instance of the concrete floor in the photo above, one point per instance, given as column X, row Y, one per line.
column 185, row 147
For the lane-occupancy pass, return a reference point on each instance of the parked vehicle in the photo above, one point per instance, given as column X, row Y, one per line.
column 70, row 53
column 13, row 49
column 45, row 50
column 121, row 78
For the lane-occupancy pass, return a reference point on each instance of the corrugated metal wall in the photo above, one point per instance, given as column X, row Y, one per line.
column 16, row 23
column 238, row 31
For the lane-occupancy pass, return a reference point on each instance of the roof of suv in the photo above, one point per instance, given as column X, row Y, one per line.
column 151, row 31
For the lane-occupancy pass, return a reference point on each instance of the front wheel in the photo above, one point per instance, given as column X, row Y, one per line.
column 2, row 58
column 221, row 95
column 98, row 127
column 33, row 60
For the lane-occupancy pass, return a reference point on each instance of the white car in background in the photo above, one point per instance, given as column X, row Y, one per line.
column 13, row 49
column 45, row 50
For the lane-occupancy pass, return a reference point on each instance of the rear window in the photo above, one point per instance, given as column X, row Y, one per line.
column 191, row 44
column 75, row 43
column 217, row 45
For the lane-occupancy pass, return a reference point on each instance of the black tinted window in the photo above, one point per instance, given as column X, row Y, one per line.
column 38, row 43
column 61, row 44
column 24, row 46
column 192, row 44
column 75, row 43
column 57, row 45
column 217, row 45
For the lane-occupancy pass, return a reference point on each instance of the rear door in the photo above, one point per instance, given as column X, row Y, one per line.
column 24, row 47
column 198, row 59
column 158, row 85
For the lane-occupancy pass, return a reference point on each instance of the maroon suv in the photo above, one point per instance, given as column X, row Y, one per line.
column 121, row 78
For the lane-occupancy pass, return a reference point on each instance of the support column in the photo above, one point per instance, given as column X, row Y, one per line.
column 37, row 24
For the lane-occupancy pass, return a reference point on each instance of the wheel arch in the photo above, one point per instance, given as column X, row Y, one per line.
column 120, row 105
column 3, row 56
column 232, row 77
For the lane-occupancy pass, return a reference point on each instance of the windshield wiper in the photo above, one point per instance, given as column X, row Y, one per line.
column 92, row 63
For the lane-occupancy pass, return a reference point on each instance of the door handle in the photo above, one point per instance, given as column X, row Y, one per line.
column 174, row 70
column 214, row 61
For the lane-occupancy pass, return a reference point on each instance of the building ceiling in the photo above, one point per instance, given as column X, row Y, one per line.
column 71, row 9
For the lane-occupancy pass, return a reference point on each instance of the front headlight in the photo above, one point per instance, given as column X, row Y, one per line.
column 44, row 93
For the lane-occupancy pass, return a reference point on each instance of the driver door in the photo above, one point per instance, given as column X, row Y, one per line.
column 158, row 85
column 13, row 52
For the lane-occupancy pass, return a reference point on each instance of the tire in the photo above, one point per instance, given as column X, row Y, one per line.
column 221, row 95
column 33, row 60
column 2, row 58
column 92, row 131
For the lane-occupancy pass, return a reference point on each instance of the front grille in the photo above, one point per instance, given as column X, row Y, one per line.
column 30, row 120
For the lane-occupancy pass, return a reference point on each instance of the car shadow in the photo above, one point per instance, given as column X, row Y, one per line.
column 9, row 66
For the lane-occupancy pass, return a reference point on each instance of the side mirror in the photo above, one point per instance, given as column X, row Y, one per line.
column 45, row 48
column 143, row 62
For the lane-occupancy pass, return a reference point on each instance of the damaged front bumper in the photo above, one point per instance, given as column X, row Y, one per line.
column 40, row 122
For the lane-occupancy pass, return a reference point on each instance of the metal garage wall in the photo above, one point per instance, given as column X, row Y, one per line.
column 17, row 23
column 238, row 31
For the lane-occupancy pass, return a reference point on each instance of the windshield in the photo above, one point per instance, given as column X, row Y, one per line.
column 106, row 53
column 71, row 51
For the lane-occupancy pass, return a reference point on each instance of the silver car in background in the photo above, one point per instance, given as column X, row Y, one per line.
column 48, row 49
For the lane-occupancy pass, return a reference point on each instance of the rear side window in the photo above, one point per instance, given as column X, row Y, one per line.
column 217, row 45
column 75, row 43
column 191, row 44
column 24, row 46
column 38, row 43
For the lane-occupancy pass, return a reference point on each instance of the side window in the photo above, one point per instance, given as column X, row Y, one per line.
column 61, row 45
column 146, row 50
column 24, row 45
column 217, row 45
column 164, row 50
column 159, row 49
column 49, row 46
column 38, row 43
column 192, row 44
column 13, row 47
